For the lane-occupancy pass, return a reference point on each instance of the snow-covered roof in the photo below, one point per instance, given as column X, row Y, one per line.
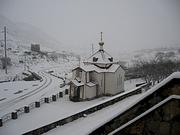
column 102, row 57
column 90, row 67
column 75, row 82
column 90, row 84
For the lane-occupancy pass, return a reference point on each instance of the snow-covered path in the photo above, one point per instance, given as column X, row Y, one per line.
column 34, row 92
column 14, row 95
column 15, row 99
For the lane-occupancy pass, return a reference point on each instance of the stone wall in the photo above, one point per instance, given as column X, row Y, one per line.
column 165, row 120
column 171, row 88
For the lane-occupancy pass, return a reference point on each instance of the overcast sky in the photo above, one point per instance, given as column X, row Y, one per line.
column 127, row 24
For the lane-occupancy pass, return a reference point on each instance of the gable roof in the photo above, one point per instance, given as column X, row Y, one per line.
column 101, row 57
column 75, row 82
column 88, row 68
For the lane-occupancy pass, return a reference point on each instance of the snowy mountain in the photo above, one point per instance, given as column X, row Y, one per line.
column 24, row 34
column 172, row 52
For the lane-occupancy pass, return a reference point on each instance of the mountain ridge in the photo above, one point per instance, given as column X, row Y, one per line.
column 25, row 34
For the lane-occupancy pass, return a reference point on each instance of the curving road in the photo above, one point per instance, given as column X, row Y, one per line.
column 49, row 82
column 46, row 83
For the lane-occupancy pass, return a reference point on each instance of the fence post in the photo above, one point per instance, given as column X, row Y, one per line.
column 1, row 123
column 14, row 115
column 53, row 97
column 46, row 100
column 60, row 94
column 26, row 109
column 66, row 91
column 37, row 104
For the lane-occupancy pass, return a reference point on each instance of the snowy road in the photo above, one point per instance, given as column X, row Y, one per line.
column 44, row 88
column 62, row 108
column 47, row 81
column 14, row 95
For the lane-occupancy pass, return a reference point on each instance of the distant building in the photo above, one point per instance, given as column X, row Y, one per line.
column 99, row 75
column 35, row 47
column 27, row 52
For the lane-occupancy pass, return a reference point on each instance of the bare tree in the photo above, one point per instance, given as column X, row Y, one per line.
column 156, row 69
column 165, row 56
column 4, row 60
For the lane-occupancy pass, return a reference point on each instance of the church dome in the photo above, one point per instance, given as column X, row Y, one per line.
column 101, row 58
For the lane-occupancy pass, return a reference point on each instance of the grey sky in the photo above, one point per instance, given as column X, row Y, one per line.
column 127, row 24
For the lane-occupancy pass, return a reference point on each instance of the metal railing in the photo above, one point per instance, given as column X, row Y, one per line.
column 31, row 106
column 6, row 117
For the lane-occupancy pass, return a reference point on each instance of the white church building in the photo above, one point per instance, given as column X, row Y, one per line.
column 99, row 75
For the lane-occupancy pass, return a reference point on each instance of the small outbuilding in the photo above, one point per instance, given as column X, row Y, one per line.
column 35, row 47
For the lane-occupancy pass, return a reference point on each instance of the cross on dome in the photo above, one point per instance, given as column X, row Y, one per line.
column 101, row 44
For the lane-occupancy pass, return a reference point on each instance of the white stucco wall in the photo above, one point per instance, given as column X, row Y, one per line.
column 90, row 91
column 87, row 77
column 114, row 82
column 99, row 80
column 71, row 89
column 81, row 92
column 83, row 77
column 107, row 83
column 110, row 83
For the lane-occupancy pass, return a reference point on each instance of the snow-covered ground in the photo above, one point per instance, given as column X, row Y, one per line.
column 12, row 90
column 20, row 93
column 85, row 125
column 60, row 109
column 53, row 111
column 14, row 95
column 88, row 124
column 130, row 84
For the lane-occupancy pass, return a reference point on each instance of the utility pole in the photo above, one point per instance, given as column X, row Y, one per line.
column 79, row 60
column 25, row 62
column 5, row 49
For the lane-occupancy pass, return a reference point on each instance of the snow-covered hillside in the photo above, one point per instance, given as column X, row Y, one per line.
column 20, row 36
column 173, row 52
column 24, row 34
column 23, row 59
column 146, row 54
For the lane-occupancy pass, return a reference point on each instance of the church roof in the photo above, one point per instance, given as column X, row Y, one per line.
column 75, row 82
column 92, row 67
column 100, row 57
column 100, row 61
